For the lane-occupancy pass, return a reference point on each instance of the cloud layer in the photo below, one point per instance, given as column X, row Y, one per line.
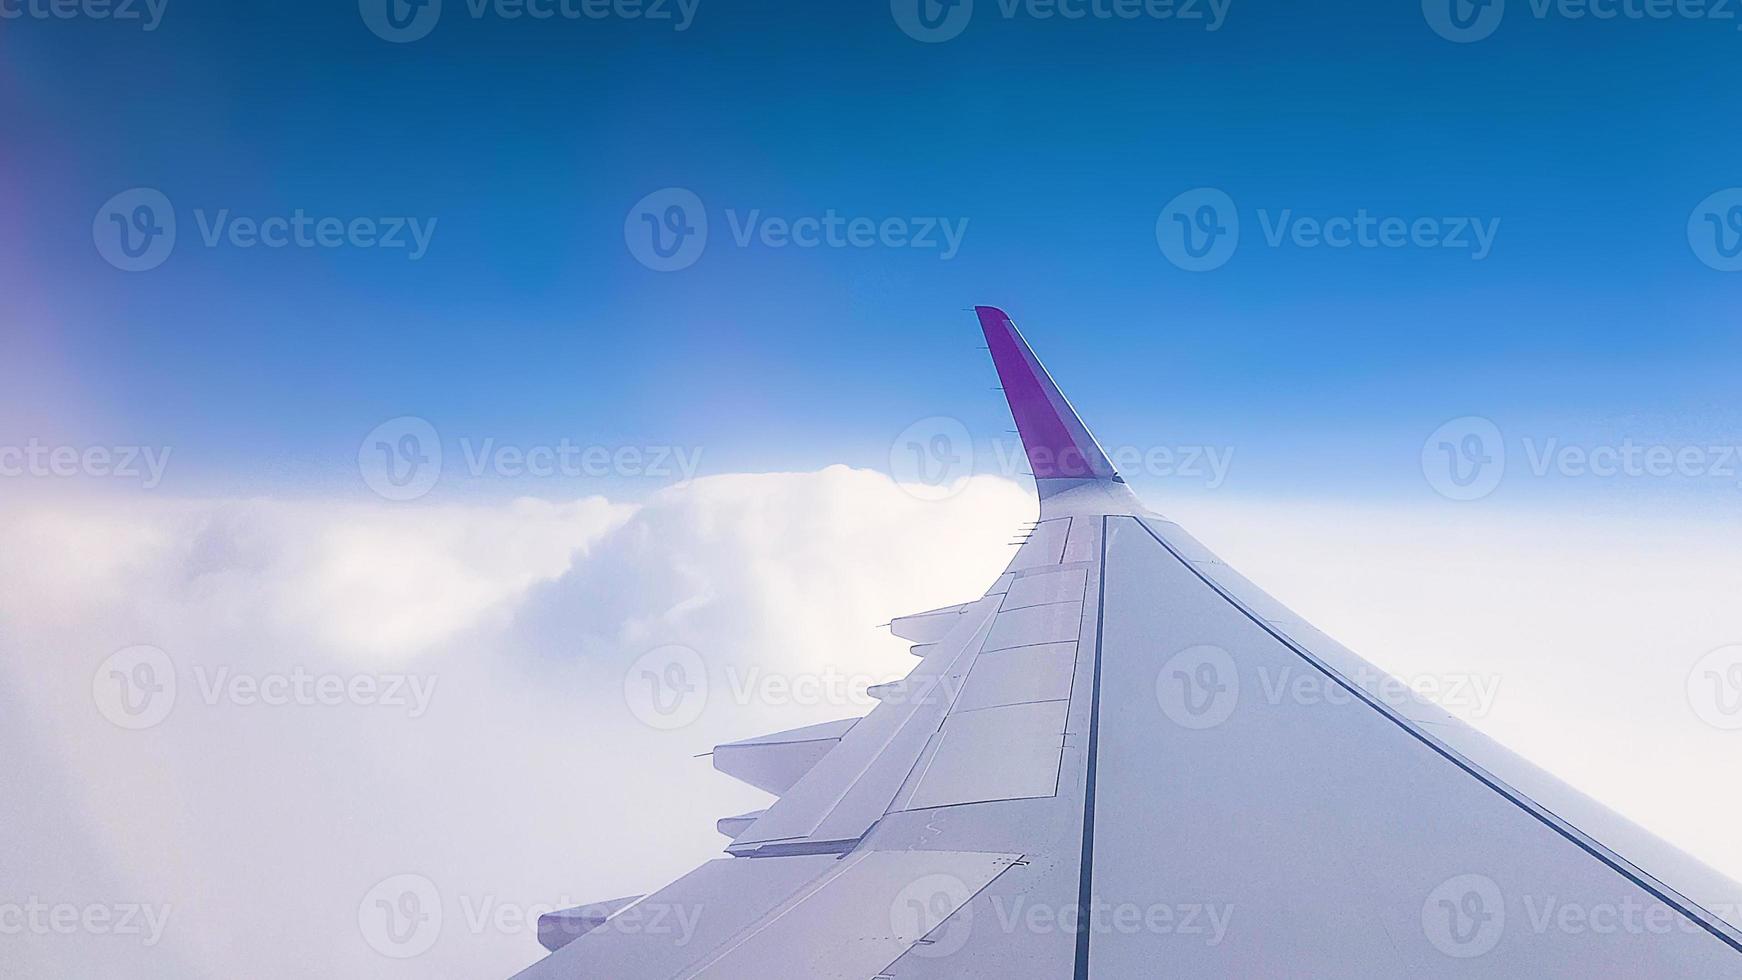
column 285, row 781
column 288, row 778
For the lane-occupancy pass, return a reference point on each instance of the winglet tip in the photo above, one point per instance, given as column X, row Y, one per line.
column 1058, row 445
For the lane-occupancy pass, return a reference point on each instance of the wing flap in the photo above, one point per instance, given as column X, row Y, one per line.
column 774, row 763
column 835, row 804
column 665, row 933
column 857, row 919
column 1008, row 752
column 929, row 626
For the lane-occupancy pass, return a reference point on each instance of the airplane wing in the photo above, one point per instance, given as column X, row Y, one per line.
column 1126, row 760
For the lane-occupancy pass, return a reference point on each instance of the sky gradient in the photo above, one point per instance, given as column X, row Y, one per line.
column 1058, row 143
column 1505, row 455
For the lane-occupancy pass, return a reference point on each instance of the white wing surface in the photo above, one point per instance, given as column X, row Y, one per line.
column 1125, row 760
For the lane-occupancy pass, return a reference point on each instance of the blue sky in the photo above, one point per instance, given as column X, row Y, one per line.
column 1058, row 143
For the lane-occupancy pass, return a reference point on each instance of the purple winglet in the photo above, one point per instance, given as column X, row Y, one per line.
column 1059, row 446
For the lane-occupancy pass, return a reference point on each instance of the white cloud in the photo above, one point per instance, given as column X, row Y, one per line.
column 527, row 781
column 530, row 780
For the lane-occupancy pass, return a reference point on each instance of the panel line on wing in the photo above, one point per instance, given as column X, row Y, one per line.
column 1086, row 875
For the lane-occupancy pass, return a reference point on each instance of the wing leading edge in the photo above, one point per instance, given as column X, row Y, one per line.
column 1088, row 774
